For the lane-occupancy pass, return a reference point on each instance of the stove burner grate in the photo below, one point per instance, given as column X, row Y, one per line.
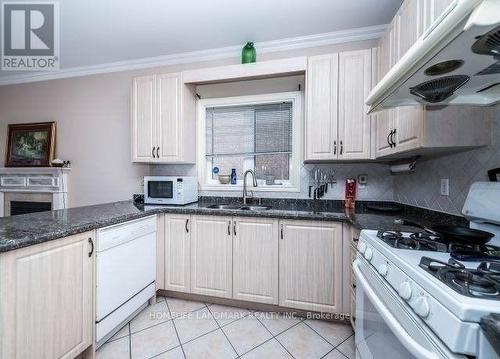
column 483, row 282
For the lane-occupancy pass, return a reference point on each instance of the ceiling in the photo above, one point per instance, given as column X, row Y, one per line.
column 96, row 32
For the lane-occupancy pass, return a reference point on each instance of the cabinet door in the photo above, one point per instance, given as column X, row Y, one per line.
column 169, row 117
column 177, row 252
column 143, row 119
column 46, row 297
column 255, row 260
column 354, row 86
column 311, row 266
column 409, row 24
column 384, row 126
column 321, row 112
column 409, row 127
column 211, row 256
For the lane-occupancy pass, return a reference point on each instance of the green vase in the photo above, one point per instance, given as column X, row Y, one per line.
column 248, row 54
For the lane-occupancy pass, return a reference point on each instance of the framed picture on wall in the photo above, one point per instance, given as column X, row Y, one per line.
column 30, row 144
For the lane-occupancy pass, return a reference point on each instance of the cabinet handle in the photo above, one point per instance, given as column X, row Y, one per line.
column 389, row 139
column 234, row 227
column 153, row 152
column 229, row 228
column 91, row 247
column 281, row 231
column 187, row 225
column 334, row 147
column 157, row 150
column 341, row 147
column 392, row 138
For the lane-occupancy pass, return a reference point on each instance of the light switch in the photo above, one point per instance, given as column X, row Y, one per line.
column 445, row 186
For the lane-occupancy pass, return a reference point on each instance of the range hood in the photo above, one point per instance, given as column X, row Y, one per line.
column 456, row 61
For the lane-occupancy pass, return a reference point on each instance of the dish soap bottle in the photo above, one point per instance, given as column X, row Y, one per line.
column 233, row 176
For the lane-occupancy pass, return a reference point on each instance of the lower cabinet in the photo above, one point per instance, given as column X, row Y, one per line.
column 255, row 260
column 46, row 299
column 291, row 263
column 177, row 253
column 311, row 265
column 211, row 256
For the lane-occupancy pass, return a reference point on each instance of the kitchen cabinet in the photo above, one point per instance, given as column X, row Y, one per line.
column 322, row 107
column 177, row 252
column 310, row 272
column 47, row 299
column 163, row 119
column 337, row 127
column 211, row 256
column 255, row 259
column 353, row 122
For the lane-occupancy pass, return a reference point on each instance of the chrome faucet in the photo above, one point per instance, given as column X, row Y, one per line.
column 245, row 191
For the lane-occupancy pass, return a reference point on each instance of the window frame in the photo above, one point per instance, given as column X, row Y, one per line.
column 204, row 174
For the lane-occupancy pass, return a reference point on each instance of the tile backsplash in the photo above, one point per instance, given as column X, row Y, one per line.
column 422, row 188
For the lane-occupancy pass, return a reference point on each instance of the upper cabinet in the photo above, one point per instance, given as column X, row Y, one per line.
column 414, row 130
column 337, row 127
column 163, row 120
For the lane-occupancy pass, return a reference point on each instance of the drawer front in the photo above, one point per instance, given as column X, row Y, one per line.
column 112, row 236
column 13, row 181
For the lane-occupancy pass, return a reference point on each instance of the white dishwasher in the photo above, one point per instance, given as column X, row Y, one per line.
column 125, row 272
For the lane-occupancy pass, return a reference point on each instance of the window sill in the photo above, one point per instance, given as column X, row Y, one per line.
column 239, row 188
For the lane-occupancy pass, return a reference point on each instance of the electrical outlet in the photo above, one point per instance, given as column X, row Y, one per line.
column 445, row 187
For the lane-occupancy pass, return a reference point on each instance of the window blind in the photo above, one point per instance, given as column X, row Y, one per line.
column 249, row 130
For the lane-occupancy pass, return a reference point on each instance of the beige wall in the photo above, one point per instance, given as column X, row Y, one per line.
column 93, row 132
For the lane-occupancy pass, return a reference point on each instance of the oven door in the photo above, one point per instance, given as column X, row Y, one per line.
column 159, row 191
column 385, row 326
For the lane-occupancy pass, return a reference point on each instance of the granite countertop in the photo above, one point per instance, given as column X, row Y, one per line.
column 29, row 229
column 491, row 328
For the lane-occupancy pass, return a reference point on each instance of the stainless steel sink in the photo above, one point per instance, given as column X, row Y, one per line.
column 224, row 206
column 255, row 208
column 240, row 207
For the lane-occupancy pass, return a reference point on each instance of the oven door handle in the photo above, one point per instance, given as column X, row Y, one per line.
column 403, row 336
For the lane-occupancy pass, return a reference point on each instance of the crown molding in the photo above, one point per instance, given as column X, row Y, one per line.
column 293, row 43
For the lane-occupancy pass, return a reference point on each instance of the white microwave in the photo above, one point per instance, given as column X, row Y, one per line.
column 170, row 190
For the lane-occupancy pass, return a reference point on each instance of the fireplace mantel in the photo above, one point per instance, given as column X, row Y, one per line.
column 33, row 181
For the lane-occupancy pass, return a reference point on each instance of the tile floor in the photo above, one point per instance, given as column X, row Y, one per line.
column 176, row 328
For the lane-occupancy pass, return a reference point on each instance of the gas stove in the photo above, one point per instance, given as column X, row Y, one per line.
column 481, row 282
column 422, row 241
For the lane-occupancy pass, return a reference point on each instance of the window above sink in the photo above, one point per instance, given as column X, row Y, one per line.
column 259, row 132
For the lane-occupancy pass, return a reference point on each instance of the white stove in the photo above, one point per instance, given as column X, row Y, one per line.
column 405, row 310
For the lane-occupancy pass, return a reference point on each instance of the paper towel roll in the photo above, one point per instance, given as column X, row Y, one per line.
column 404, row 168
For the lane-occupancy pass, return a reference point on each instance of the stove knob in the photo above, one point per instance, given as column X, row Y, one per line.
column 421, row 307
column 362, row 247
column 368, row 254
column 383, row 270
column 405, row 291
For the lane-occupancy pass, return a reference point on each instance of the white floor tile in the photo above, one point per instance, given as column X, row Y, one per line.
column 276, row 322
column 194, row 324
column 270, row 349
column 347, row 348
column 154, row 340
column 175, row 353
column 334, row 332
column 121, row 333
column 245, row 334
column 151, row 315
column 117, row 349
column 334, row 354
column 225, row 315
column 213, row 345
column 302, row 342
column 180, row 306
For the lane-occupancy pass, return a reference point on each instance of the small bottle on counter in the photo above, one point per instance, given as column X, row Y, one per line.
column 233, row 176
